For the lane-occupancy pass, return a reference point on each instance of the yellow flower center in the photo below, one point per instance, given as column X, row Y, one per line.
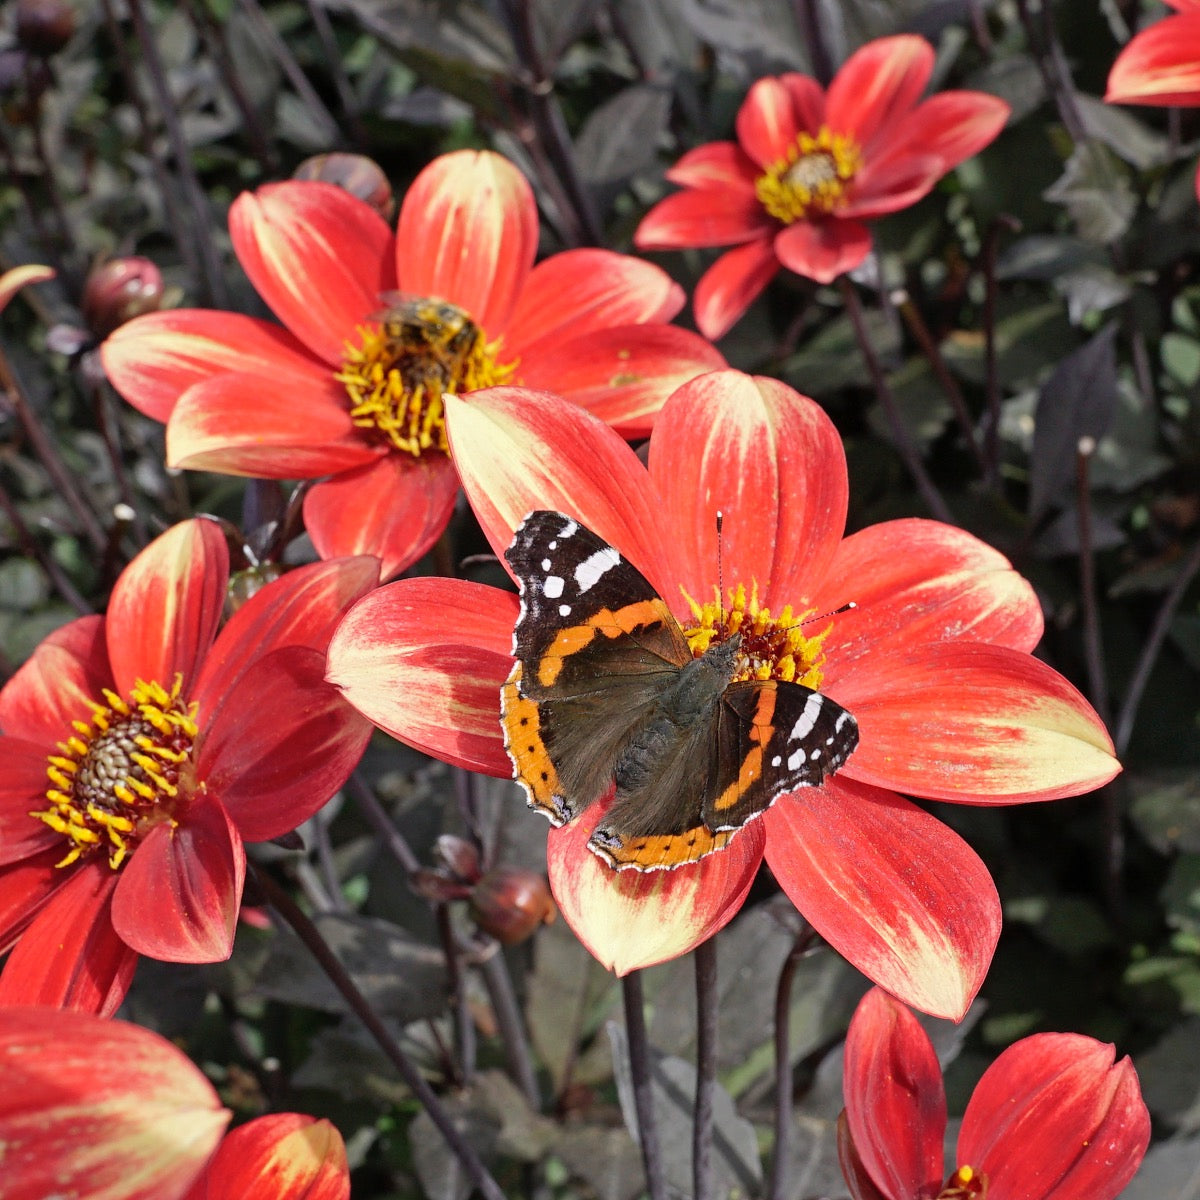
column 772, row 647
column 965, row 1184
column 120, row 773
column 418, row 349
column 810, row 181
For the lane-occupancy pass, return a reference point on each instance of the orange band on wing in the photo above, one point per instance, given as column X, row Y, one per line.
column 660, row 853
column 761, row 729
column 612, row 624
column 533, row 769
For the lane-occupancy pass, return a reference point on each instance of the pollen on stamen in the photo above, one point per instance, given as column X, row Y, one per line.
column 811, row 179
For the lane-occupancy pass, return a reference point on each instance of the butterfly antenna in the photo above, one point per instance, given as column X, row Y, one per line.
column 833, row 612
column 720, row 576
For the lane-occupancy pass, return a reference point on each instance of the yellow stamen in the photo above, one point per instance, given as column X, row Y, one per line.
column 811, row 180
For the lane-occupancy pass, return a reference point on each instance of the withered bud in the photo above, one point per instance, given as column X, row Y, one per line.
column 248, row 582
column 44, row 27
column 119, row 290
column 354, row 173
column 459, row 857
column 511, row 902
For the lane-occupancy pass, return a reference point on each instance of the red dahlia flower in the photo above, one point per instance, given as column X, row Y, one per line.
column 103, row 1108
column 933, row 664
column 810, row 167
column 1161, row 65
column 378, row 327
column 1053, row 1118
column 141, row 749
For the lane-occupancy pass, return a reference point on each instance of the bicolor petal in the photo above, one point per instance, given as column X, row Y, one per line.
column 877, row 84
column 1160, row 65
column 767, row 124
column 823, row 250
column 721, row 216
column 732, row 284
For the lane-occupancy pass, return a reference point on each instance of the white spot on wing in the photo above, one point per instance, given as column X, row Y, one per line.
column 568, row 530
column 552, row 588
column 807, row 719
column 546, row 564
column 594, row 566
column 564, row 610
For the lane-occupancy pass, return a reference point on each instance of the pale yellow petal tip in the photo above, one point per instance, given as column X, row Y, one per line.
column 12, row 281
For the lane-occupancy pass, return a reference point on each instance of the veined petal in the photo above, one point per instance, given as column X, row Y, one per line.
column 1053, row 1118
column 517, row 450
column 586, row 291
column 953, row 126
column 877, row 84
column 823, row 250
column 772, row 462
column 177, row 897
column 468, row 233
column 153, row 359
column 393, row 509
column 166, row 606
column 320, row 257
column 732, row 284
column 891, row 184
column 712, row 216
column 70, row 956
column 280, row 743
column 854, row 1170
column 240, row 424
column 890, row 888
column 26, row 883
column 625, row 374
column 714, row 165
column 53, row 686
column 767, row 124
column 1161, row 65
column 425, row 660
column 23, row 786
column 100, row 1108
column 895, row 1101
column 974, row 724
column 634, row 919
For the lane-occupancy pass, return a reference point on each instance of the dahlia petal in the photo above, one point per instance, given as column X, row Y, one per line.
column 425, row 660
column 100, row 1108
column 952, row 126
column 1054, row 1117
column 22, row 791
column 808, row 100
column 166, row 605
column 16, row 278
column 767, row 124
column 877, row 84
column 586, row 291
column 468, row 233
column 239, row 424
column 713, row 166
column 393, row 509
column 893, row 890
column 823, row 250
column 711, row 216
column 625, row 374
column 280, row 743
column 320, row 257
column 153, row 359
column 975, row 724
column 895, row 1100
column 1160, row 65
column 301, row 609
column 53, row 686
column 732, row 284
column 854, row 1170
column 634, row 919
column 891, row 184
column 772, row 463
column 297, row 1157
column 71, row 956
column 177, row 897
column 517, row 450
column 26, row 883
column 916, row 581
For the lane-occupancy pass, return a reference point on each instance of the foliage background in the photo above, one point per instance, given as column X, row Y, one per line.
column 1074, row 239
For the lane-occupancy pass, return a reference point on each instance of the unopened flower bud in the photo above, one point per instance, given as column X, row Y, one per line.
column 354, row 173
column 246, row 583
column 511, row 902
column 119, row 290
column 44, row 27
column 459, row 857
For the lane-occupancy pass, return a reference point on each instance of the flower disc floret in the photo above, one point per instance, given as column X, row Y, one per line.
column 811, row 180
column 965, row 1184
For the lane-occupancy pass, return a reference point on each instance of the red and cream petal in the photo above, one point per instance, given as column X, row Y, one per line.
column 634, row 919
column 586, row 291
column 16, row 278
column 54, row 685
column 280, row 743
column 952, row 126
column 177, row 896
column 1161, row 65
column 893, row 890
column 70, row 956
column 623, row 375
column 23, row 785
column 823, row 250
column 767, row 122
column 517, row 450
column 878, row 84
column 895, row 1101
column 772, row 462
column 153, row 359
column 96, row 1108
column 319, row 257
column 166, row 606
column 425, row 660
column 733, row 283
column 468, row 233
column 712, row 216
column 972, row 723
column 916, row 581
column 891, row 184
column 1054, row 1118
column 713, row 166
column 393, row 509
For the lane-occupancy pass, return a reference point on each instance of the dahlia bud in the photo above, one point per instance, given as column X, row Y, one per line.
column 248, row 582
column 510, row 903
column 353, row 173
column 44, row 27
column 119, row 290
column 458, row 857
